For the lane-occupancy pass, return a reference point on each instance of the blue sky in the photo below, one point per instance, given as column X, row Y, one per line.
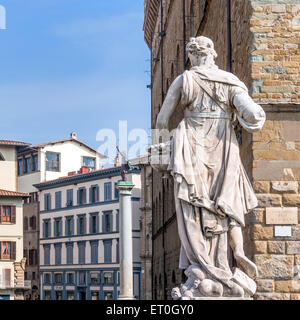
column 70, row 65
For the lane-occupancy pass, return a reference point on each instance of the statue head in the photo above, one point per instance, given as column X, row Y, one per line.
column 201, row 51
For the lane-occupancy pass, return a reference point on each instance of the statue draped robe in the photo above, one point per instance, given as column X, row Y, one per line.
column 212, row 190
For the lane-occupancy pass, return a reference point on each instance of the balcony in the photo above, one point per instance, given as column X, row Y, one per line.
column 13, row 284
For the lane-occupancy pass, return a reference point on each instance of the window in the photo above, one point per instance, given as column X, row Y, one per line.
column 82, row 277
column 58, row 295
column 108, row 278
column 81, row 224
column 70, row 295
column 94, row 194
column 69, row 253
column 93, row 223
column 81, row 196
column 26, row 165
column 69, row 226
column 69, row 198
column 35, row 163
column 107, row 191
column 46, row 254
column 58, row 227
column 95, row 279
column 47, row 278
column 108, row 295
column 70, row 278
column 2, row 157
column 47, row 228
column 32, row 257
column 58, row 200
column 8, row 250
column 81, row 252
column 32, row 222
column 52, row 161
column 94, row 251
column 95, row 295
column 47, row 295
column 107, row 251
column 7, row 214
column 20, row 166
column 58, row 278
column 47, row 201
column 57, row 247
column 107, row 222
column 33, row 275
column 89, row 162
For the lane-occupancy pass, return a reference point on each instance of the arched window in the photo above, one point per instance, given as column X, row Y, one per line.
column 1, row 157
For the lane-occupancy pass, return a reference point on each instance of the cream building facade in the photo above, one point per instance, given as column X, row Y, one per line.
column 12, row 262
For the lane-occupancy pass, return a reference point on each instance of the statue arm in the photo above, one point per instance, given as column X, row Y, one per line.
column 250, row 115
column 171, row 101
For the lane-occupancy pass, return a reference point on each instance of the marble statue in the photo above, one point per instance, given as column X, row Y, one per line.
column 212, row 190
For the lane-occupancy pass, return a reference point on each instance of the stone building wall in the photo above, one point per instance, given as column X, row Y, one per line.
column 265, row 55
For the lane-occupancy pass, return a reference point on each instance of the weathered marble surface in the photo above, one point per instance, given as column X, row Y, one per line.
column 212, row 190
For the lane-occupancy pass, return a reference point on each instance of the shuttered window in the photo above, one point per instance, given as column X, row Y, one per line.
column 69, row 198
column 107, row 191
column 69, row 253
column 57, row 253
column 8, row 250
column 81, row 196
column 8, row 214
column 107, row 251
column 47, row 201
column 94, row 251
column 58, row 200
column 81, row 252
column 46, row 254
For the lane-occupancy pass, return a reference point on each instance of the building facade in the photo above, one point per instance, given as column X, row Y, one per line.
column 12, row 262
column 259, row 42
column 46, row 161
column 79, row 236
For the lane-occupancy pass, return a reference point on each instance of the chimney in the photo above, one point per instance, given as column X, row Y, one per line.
column 72, row 173
column 73, row 135
column 117, row 161
column 84, row 169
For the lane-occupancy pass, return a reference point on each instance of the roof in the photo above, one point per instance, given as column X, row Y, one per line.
column 93, row 175
column 7, row 193
column 13, row 143
column 42, row 145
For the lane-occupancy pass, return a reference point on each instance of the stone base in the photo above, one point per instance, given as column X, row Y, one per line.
column 198, row 287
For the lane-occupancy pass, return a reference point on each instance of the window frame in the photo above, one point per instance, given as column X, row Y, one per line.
column 58, row 161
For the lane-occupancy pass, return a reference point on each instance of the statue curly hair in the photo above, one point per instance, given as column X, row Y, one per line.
column 201, row 46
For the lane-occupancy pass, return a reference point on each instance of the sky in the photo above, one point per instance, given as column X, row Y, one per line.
column 72, row 65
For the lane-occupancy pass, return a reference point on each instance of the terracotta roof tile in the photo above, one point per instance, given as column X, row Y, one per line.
column 13, row 143
column 8, row 193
